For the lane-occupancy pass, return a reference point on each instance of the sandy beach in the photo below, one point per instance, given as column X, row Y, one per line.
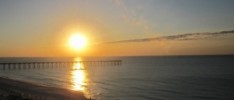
column 35, row 92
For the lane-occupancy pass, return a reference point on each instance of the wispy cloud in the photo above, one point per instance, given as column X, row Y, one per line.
column 133, row 16
column 187, row 36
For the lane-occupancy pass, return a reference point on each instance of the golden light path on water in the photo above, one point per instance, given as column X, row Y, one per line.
column 78, row 77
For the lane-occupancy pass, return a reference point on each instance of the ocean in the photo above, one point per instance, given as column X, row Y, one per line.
column 136, row 78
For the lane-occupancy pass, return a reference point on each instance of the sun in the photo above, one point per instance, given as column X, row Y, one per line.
column 78, row 41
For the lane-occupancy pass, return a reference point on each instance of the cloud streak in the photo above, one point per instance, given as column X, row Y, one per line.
column 187, row 36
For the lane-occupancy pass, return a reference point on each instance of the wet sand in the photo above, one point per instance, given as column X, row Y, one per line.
column 37, row 92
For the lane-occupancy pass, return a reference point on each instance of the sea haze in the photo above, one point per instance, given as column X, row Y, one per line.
column 141, row 78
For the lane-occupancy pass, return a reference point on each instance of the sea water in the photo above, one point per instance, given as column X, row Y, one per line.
column 138, row 78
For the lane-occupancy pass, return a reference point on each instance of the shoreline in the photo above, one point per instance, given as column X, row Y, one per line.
column 32, row 91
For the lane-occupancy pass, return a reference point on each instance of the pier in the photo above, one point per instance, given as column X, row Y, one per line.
column 54, row 64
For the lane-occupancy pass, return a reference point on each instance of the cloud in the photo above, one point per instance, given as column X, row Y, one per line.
column 187, row 36
column 133, row 16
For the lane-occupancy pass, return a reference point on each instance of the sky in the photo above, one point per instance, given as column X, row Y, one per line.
column 41, row 28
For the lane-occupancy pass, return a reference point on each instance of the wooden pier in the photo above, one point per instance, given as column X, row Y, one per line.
column 54, row 64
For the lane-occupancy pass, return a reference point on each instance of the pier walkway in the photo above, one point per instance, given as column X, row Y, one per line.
column 54, row 64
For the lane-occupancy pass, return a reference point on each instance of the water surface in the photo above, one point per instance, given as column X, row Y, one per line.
column 140, row 78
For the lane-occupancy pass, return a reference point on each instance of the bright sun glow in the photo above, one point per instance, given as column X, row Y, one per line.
column 77, row 41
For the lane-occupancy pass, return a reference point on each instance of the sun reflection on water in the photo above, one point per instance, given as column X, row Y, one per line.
column 78, row 78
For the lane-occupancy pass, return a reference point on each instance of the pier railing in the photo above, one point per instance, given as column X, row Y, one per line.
column 54, row 64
